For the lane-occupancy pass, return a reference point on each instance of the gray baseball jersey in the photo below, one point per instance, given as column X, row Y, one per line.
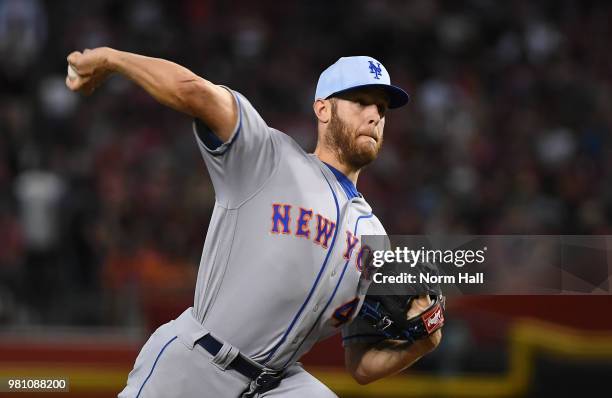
column 281, row 264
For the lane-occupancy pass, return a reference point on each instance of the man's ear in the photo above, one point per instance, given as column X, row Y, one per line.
column 322, row 109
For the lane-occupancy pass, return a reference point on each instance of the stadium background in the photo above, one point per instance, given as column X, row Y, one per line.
column 105, row 202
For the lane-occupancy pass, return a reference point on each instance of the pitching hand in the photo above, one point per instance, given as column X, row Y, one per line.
column 91, row 67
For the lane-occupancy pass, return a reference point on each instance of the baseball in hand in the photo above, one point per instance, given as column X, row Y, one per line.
column 72, row 74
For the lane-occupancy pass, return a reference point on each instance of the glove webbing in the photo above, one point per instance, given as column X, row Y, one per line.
column 411, row 329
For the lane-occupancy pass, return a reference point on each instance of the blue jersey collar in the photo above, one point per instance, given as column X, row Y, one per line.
column 346, row 184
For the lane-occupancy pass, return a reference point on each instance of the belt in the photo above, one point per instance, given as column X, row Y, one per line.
column 262, row 379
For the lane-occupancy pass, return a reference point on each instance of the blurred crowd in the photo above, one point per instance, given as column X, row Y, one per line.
column 105, row 201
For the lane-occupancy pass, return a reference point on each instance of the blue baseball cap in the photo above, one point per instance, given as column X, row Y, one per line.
column 349, row 73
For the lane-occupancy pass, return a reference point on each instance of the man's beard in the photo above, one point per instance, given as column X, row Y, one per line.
column 343, row 142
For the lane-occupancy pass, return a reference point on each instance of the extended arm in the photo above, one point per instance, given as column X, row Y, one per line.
column 169, row 83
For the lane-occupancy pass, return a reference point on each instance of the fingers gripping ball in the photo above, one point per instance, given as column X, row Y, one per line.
column 72, row 73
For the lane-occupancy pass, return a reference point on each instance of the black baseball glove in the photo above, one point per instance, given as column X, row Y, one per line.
column 388, row 315
column 386, row 306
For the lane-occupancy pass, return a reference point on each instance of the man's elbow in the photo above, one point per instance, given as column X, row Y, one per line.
column 363, row 373
column 190, row 92
column 355, row 365
column 362, row 378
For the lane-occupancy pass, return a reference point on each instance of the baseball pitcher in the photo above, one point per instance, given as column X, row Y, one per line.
column 282, row 264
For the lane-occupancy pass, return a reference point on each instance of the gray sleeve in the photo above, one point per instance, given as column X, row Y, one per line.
column 240, row 166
